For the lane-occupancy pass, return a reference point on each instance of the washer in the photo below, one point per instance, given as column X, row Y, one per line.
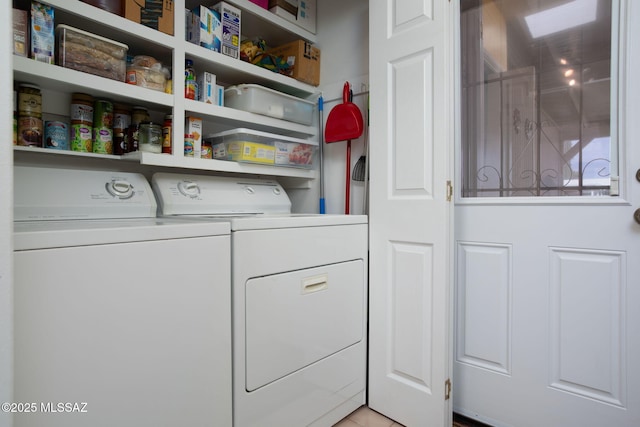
column 121, row 318
column 299, row 291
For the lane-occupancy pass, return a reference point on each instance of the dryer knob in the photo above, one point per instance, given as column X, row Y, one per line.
column 249, row 190
column 277, row 191
column 189, row 189
column 120, row 188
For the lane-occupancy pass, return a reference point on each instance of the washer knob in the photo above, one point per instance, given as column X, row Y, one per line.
column 189, row 189
column 120, row 188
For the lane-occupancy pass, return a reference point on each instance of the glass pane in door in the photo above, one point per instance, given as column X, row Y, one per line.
column 536, row 97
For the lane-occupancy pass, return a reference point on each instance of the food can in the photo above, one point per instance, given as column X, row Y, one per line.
column 81, row 122
column 56, row 135
column 29, row 101
column 206, row 150
column 188, row 145
column 102, row 127
column 30, row 131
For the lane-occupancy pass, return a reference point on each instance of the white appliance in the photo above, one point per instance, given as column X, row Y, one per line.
column 299, row 299
column 121, row 318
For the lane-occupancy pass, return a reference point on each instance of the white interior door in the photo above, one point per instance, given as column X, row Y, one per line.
column 547, row 291
column 411, row 123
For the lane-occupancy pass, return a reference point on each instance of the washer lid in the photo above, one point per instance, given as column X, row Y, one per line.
column 57, row 234
column 180, row 194
column 57, row 194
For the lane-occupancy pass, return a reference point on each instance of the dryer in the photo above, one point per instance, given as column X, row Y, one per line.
column 299, row 291
column 121, row 318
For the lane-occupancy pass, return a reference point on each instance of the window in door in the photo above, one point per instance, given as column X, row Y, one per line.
column 536, row 98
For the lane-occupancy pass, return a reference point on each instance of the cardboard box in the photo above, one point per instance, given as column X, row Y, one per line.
column 193, row 126
column 20, row 32
column 204, row 28
column 156, row 14
column 219, row 95
column 244, row 151
column 262, row 3
column 300, row 12
column 304, row 58
column 289, row 6
column 231, row 28
column 207, row 87
column 42, row 32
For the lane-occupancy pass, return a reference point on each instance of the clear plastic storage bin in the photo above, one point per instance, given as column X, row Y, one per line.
column 269, row 102
column 247, row 145
column 90, row 53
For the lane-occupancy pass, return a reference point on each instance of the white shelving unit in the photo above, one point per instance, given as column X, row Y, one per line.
column 58, row 83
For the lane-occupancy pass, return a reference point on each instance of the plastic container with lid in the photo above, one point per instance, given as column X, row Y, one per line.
column 269, row 102
column 90, row 53
column 248, row 145
column 150, row 137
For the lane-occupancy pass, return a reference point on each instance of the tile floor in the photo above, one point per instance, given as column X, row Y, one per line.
column 365, row 417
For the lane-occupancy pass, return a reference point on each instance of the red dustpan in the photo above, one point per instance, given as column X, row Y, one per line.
column 345, row 123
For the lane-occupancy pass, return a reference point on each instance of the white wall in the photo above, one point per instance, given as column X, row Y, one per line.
column 343, row 38
column 6, row 211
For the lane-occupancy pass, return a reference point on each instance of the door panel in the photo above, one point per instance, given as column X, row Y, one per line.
column 546, row 288
column 411, row 122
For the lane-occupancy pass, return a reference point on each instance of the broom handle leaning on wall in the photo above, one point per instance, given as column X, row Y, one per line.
column 320, row 151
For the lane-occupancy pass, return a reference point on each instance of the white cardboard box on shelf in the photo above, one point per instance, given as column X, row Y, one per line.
column 204, row 28
column 269, row 102
column 231, row 21
column 306, row 13
column 207, row 87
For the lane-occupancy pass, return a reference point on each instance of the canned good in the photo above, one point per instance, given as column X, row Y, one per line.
column 81, row 122
column 29, row 101
column 188, row 145
column 56, row 135
column 150, row 137
column 206, row 150
column 81, row 109
column 30, row 131
column 81, row 138
column 102, row 127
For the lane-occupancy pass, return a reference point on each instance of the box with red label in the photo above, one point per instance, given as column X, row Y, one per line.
column 156, row 14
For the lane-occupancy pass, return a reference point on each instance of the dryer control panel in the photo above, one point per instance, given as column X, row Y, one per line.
column 180, row 194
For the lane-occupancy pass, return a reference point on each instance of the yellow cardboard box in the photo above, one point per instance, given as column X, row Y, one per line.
column 253, row 152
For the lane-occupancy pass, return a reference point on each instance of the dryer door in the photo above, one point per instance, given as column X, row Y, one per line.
column 297, row 318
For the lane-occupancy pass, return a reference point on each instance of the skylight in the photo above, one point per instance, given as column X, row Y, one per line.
column 560, row 18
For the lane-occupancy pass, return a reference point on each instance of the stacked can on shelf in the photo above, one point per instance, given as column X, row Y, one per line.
column 102, row 127
column 30, row 128
column 81, row 122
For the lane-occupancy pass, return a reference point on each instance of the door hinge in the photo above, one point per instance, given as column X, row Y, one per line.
column 449, row 191
column 447, row 389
